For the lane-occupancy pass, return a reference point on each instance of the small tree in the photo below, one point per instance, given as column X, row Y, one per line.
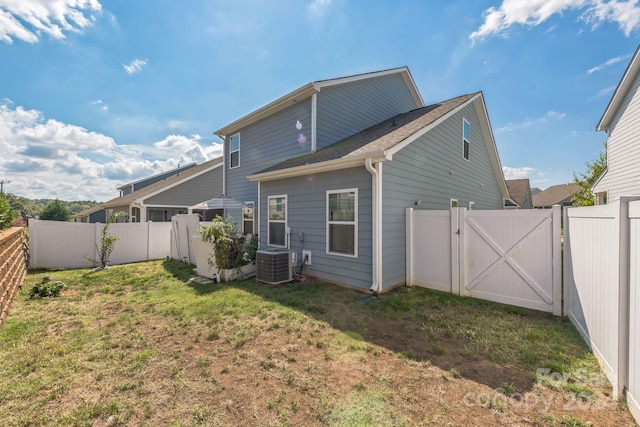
column 585, row 180
column 6, row 213
column 107, row 242
column 55, row 211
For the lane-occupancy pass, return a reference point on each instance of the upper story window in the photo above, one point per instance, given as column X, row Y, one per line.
column 342, row 222
column 277, row 220
column 466, row 139
column 247, row 218
column 234, row 151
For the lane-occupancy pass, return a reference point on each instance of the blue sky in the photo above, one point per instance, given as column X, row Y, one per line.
column 97, row 93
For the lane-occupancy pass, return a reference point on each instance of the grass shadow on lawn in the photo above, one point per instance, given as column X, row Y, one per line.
column 489, row 343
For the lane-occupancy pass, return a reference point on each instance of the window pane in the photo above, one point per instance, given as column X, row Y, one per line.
column 247, row 212
column 277, row 208
column 466, row 129
column 342, row 206
column 248, row 227
column 234, row 143
column 466, row 150
column 234, row 159
column 341, row 238
column 276, row 233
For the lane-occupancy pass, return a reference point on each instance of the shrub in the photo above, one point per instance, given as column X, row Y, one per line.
column 228, row 246
column 6, row 213
column 47, row 288
column 55, row 211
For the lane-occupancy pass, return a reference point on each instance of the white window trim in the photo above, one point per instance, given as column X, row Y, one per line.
column 452, row 201
column 464, row 140
column 472, row 205
column 286, row 219
column 354, row 222
column 253, row 205
column 238, row 151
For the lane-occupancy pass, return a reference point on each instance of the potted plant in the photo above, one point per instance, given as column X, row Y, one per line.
column 233, row 257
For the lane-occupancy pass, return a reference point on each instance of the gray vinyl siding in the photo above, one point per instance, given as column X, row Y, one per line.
column 195, row 190
column 265, row 143
column 98, row 216
column 420, row 171
column 306, row 198
column 349, row 108
column 623, row 149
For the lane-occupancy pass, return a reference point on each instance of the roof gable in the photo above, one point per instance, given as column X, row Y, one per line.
column 167, row 183
column 309, row 90
column 518, row 189
column 621, row 91
column 554, row 195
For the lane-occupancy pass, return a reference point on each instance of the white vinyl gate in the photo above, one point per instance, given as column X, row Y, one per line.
column 507, row 256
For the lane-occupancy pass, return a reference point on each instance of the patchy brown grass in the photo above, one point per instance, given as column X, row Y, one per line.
column 144, row 345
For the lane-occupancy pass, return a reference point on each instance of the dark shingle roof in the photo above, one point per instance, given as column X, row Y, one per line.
column 518, row 190
column 378, row 138
column 555, row 195
column 128, row 198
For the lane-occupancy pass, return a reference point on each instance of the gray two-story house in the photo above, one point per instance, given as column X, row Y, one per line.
column 331, row 167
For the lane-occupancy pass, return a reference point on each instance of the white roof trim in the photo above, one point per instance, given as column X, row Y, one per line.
column 326, row 166
column 176, row 170
column 308, row 90
column 141, row 200
column 621, row 91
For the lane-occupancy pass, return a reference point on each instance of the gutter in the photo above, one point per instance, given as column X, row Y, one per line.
column 376, row 226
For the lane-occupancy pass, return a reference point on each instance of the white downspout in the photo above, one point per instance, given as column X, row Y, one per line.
column 376, row 226
column 314, row 115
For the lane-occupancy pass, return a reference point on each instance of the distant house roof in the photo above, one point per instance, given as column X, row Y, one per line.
column 379, row 142
column 518, row 189
column 621, row 91
column 555, row 195
column 310, row 89
column 158, row 175
column 165, row 184
column 89, row 211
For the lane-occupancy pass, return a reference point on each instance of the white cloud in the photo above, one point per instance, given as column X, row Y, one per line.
column 26, row 20
column 608, row 63
column 509, row 127
column 48, row 158
column 604, row 92
column 100, row 104
column 134, row 66
column 626, row 13
column 517, row 173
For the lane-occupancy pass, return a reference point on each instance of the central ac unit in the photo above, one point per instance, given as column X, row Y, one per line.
column 273, row 266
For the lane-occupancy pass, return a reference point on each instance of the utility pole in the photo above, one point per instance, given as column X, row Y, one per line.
column 2, row 183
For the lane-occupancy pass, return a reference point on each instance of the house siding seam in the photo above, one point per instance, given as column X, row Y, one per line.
column 346, row 109
column 203, row 187
column 306, row 197
column 623, row 148
column 265, row 143
column 421, row 171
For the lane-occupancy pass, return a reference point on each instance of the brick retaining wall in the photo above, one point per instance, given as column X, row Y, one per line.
column 13, row 265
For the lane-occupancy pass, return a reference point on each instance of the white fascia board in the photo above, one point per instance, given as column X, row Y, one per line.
column 279, row 104
column 621, row 91
column 490, row 143
column 180, row 168
column 141, row 200
column 164, row 206
column 429, row 127
column 328, row 166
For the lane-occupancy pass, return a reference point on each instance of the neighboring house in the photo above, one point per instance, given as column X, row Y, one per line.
column 93, row 214
column 333, row 165
column 161, row 200
column 519, row 194
column 141, row 183
column 555, row 195
column 620, row 122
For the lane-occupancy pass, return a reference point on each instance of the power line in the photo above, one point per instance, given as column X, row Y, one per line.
column 2, row 183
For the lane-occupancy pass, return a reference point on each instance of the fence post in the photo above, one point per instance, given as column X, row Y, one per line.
column 409, row 247
column 567, row 263
column 557, row 260
column 458, row 270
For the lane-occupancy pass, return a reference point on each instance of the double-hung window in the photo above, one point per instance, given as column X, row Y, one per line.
column 277, row 221
column 466, row 139
column 342, row 222
column 234, row 151
column 247, row 218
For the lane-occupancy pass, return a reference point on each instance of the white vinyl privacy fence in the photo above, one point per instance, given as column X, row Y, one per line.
column 508, row 256
column 602, row 288
column 61, row 245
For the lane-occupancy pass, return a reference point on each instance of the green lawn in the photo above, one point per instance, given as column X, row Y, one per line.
column 143, row 344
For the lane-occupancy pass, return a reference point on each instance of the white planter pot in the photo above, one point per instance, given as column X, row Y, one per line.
column 241, row 273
